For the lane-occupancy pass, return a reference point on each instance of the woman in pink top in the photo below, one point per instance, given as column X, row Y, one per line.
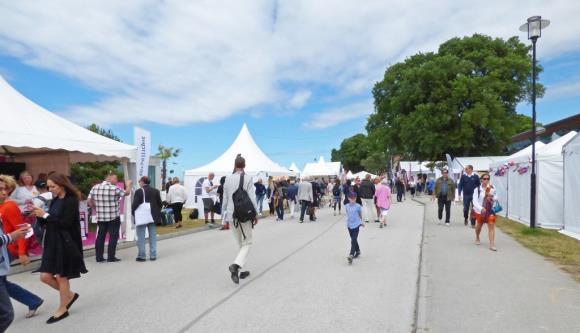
column 383, row 196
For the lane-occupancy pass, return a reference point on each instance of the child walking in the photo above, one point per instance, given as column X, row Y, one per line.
column 353, row 223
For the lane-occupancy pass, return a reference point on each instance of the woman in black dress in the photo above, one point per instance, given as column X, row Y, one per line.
column 62, row 258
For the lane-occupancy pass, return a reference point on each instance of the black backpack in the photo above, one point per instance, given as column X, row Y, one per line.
column 336, row 191
column 244, row 209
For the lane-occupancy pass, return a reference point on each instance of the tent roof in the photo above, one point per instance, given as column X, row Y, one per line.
column 527, row 151
column 555, row 147
column 363, row 174
column 256, row 160
column 321, row 168
column 573, row 144
column 480, row 163
column 33, row 129
column 294, row 168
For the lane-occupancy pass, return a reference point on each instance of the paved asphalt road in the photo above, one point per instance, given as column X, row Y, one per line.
column 300, row 282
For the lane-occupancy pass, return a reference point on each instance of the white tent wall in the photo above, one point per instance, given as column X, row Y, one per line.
column 572, row 187
column 501, row 188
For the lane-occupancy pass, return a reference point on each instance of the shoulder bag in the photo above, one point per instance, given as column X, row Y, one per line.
column 143, row 212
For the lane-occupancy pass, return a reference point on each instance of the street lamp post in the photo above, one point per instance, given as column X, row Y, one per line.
column 534, row 27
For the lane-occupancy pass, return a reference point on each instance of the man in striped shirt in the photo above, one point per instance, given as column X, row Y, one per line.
column 104, row 197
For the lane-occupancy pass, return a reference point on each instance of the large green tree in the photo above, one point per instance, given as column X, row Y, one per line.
column 351, row 153
column 461, row 100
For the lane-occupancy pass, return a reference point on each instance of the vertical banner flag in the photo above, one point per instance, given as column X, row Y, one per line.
column 143, row 143
column 450, row 164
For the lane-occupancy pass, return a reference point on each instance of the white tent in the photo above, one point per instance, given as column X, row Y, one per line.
column 549, row 185
column 499, row 179
column 413, row 168
column 349, row 175
column 363, row 174
column 47, row 142
column 571, row 152
column 294, row 168
column 321, row 168
column 481, row 163
column 257, row 164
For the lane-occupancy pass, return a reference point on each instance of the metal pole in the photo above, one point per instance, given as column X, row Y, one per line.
column 533, row 180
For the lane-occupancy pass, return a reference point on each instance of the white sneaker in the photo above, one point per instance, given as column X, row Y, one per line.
column 448, row 224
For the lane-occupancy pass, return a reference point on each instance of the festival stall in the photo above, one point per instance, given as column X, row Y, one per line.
column 321, row 168
column 499, row 176
column 571, row 153
column 41, row 142
column 549, row 182
column 258, row 165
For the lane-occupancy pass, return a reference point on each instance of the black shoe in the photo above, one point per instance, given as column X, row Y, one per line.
column 206, row 222
column 54, row 319
column 153, row 258
column 212, row 221
column 140, row 259
column 72, row 301
column 113, row 259
column 101, row 260
column 234, row 270
column 244, row 274
column 465, row 222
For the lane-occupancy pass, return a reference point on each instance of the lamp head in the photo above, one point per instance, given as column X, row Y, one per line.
column 534, row 27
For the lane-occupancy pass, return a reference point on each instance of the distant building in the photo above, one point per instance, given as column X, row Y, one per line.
column 552, row 131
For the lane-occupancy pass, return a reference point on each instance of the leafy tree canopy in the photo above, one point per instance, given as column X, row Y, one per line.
column 460, row 100
column 351, row 153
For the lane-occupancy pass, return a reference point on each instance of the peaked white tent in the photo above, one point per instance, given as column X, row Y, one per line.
column 550, row 187
column 47, row 142
column 257, row 163
column 481, row 163
column 321, row 168
column 571, row 152
column 294, row 168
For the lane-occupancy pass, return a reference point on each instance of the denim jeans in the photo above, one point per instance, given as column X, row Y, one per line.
column 467, row 202
column 280, row 210
column 260, row 200
column 354, row 249
column 22, row 295
column 152, row 240
column 303, row 207
column 442, row 202
column 112, row 227
column 6, row 310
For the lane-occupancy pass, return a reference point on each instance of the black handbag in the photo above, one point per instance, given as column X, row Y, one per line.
column 217, row 207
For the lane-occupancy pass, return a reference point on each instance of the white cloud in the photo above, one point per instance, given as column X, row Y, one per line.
column 180, row 62
column 335, row 116
column 300, row 99
column 563, row 90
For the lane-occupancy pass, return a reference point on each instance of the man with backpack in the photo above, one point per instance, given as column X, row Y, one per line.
column 239, row 207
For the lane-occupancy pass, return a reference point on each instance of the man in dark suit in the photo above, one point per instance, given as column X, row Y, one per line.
column 147, row 194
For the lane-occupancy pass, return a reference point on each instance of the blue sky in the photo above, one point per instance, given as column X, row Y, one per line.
column 298, row 73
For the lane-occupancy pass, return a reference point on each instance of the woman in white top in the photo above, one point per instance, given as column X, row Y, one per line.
column 176, row 197
column 25, row 192
column 483, row 200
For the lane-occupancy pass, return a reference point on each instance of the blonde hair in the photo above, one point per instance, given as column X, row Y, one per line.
column 9, row 181
column 175, row 180
column 22, row 175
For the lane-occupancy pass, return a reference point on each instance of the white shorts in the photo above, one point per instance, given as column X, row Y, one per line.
column 384, row 212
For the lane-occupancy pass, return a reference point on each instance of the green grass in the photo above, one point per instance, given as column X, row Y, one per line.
column 558, row 248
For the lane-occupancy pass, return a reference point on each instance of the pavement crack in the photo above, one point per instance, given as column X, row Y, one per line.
column 257, row 277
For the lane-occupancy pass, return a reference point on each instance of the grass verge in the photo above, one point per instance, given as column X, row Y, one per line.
column 558, row 248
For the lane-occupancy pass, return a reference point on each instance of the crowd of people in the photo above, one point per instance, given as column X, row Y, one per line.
column 49, row 210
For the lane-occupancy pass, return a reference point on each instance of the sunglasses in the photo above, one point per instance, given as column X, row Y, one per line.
column 485, row 178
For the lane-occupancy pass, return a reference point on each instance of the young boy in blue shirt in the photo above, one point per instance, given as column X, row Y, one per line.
column 353, row 223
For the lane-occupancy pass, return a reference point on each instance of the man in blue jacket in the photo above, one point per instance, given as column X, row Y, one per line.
column 291, row 193
column 467, row 184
